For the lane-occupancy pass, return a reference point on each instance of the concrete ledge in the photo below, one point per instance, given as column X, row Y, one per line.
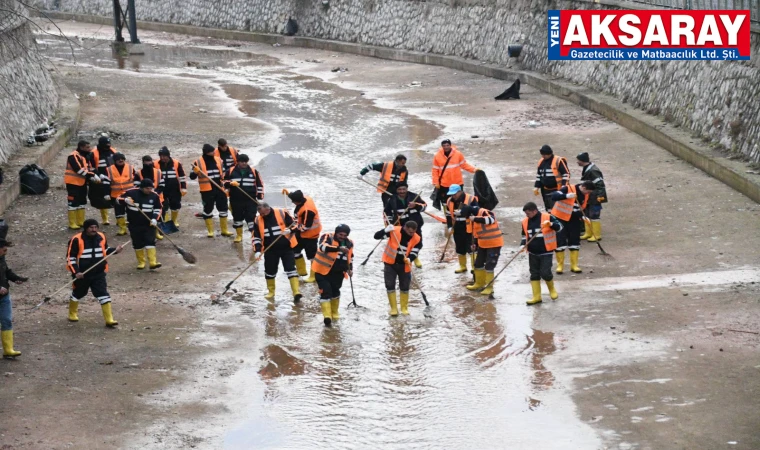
column 67, row 119
column 649, row 127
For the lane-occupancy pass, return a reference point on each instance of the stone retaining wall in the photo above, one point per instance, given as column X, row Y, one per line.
column 716, row 101
column 27, row 92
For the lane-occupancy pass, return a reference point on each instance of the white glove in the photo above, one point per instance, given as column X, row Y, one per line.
column 129, row 201
column 449, row 231
column 257, row 255
column 458, row 212
column 286, row 232
column 570, row 195
column 106, row 197
column 389, row 228
column 360, row 177
column 153, row 223
column 96, row 179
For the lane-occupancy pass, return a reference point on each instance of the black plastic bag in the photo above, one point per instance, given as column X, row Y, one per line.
column 511, row 92
column 34, row 180
column 486, row 196
column 291, row 28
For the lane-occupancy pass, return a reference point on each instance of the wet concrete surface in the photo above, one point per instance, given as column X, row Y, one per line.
column 465, row 372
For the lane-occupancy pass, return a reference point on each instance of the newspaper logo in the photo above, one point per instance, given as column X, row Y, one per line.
column 649, row 35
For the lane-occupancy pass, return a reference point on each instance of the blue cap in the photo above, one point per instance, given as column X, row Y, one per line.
column 454, row 189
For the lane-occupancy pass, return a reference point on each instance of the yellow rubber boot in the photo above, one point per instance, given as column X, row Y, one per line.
column 140, row 254
column 223, row 227
column 159, row 236
column 301, row 266
column 488, row 279
column 122, row 223
column 81, row 216
column 586, row 230
column 175, row 218
column 7, row 338
column 270, row 289
column 73, row 308
column 311, row 278
column 326, row 312
column 334, row 306
column 560, row 262
column 295, row 288
column 536, row 286
column 238, row 235
column 104, row 217
column 480, row 276
column 210, row 227
column 108, row 315
column 418, row 263
column 405, row 303
column 392, row 301
column 153, row 263
column 574, row 262
column 73, row 225
column 462, row 264
column 167, row 216
column 552, row 292
column 596, row 231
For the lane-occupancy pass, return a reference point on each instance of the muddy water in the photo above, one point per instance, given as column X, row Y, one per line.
column 462, row 373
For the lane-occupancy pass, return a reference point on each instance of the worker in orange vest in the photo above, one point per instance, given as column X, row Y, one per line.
column 175, row 184
column 102, row 158
column 211, row 167
column 486, row 243
column 458, row 225
column 120, row 177
column 274, row 227
column 567, row 210
column 552, row 174
column 79, row 171
column 307, row 233
column 149, row 171
column 228, row 155
column 448, row 163
column 86, row 249
column 402, row 249
column 243, row 183
column 544, row 227
column 391, row 173
column 332, row 264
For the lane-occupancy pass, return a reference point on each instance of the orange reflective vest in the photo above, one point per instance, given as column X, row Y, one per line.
column 385, row 177
column 467, row 201
column 563, row 209
column 488, row 236
column 324, row 261
column 120, row 182
column 72, row 176
column 99, row 252
column 556, row 160
column 233, row 154
column 313, row 231
column 550, row 236
column 167, row 174
column 156, row 181
column 453, row 172
column 392, row 248
column 203, row 181
column 279, row 214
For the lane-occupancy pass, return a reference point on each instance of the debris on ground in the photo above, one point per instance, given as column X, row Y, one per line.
column 415, row 83
column 339, row 69
column 92, row 94
column 196, row 65
column 316, row 61
column 533, row 124
column 511, row 92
